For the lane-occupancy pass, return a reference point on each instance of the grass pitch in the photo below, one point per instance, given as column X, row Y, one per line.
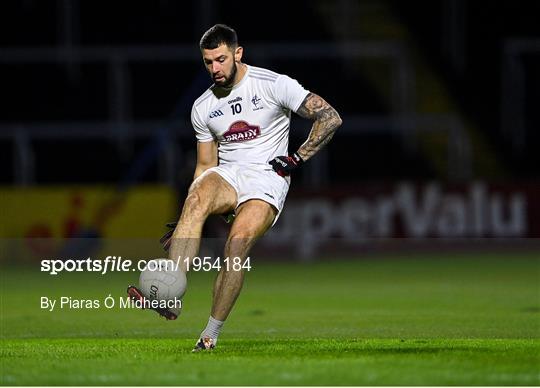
column 448, row 320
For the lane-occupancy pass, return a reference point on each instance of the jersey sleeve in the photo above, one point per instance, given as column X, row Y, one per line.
column 289, row 93
column 202, row 132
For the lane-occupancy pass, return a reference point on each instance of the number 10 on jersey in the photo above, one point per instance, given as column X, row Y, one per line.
column 236, row 108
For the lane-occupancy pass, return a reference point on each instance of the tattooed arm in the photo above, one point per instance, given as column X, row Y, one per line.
column 327, row 120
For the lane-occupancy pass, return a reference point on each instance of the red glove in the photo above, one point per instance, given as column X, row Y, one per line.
column 283, row 165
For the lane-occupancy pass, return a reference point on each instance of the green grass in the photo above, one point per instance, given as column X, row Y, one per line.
column 446, row 320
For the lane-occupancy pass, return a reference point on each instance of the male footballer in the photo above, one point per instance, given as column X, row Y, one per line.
column 243, row 165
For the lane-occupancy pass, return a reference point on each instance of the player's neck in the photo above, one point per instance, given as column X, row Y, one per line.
column 242, row 69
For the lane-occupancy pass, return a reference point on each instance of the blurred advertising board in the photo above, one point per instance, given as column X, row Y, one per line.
column 41, row 220
column 66, row 212
column 408, row 211
column 377, row 217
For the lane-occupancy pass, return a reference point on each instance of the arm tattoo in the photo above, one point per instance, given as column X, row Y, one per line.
column 327, row 120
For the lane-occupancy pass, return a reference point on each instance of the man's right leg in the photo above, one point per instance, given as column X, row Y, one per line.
column 208, row 194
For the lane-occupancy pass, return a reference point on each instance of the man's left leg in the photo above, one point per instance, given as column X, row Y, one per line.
column 253, row 219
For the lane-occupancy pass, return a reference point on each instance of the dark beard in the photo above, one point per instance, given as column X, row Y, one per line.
column 228, row 83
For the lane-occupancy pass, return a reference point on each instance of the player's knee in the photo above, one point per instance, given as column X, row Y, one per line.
column 196, row 206
column 240, row 240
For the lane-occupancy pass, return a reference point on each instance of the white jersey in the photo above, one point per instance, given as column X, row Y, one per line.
column 251, row 123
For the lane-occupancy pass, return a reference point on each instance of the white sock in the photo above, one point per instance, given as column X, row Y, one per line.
column 212, row 329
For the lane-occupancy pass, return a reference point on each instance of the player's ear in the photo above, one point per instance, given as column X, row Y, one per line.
column 238, row 52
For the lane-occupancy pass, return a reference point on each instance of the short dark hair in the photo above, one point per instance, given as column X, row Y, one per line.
column 217, row 35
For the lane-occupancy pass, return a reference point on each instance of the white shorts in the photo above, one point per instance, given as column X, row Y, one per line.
column 255, row 182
